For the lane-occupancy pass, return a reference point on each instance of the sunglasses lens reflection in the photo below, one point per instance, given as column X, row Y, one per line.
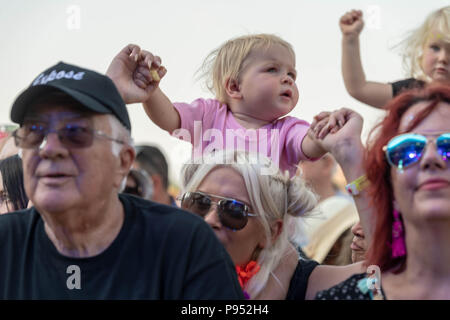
column 232, row 213
column 405, row 150
column 443, row 145
column 197, row 203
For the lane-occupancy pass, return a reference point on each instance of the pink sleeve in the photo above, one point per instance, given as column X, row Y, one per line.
column 198, row 114
column 294, row 137
column 190, row 113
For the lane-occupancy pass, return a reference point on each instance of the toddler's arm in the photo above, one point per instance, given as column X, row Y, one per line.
column 375, row 94
column 136, row 74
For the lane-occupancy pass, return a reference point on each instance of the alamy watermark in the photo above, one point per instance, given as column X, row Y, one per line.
column 74, row 280
column 73, row 21
column 374, row 277
column 206, row 143
column 373, row 20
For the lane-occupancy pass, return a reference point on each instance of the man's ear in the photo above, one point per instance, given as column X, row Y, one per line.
column 232, row 88
column 157, row 182
column 126, row 158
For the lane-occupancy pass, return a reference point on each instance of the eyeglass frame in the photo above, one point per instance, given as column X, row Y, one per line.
column 94, row 132
column 428, row 140
column 217, row 203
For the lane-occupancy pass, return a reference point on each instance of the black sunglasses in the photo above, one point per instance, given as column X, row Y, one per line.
column 30, row 136
column 232, row 214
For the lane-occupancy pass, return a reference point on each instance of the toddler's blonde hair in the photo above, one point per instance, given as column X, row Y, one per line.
column 226, row 62
column 437, row 24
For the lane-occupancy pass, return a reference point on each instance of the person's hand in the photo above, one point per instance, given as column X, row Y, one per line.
column 335, row 130
column 351, row 23
column 133, row 72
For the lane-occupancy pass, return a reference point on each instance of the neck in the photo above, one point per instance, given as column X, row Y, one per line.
column 427, row 275
column 85, row 232
column 249, row 122
column 428, row 256
column 161, row 197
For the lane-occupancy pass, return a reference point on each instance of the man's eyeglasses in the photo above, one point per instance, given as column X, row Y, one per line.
column 30, row 136
column 406, row 149
column 232, row 214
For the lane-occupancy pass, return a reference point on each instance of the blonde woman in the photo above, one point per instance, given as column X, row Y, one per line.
column 258, row 217
column 426, row 56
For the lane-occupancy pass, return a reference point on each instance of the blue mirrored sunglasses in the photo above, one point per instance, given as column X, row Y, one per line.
column 406, row 149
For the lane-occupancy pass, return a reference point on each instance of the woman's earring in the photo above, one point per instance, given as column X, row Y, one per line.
column 398, row 237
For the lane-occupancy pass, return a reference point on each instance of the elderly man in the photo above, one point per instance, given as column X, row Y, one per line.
column 82, row 239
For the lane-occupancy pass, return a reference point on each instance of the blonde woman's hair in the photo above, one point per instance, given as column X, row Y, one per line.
column 272, row 197
column 227, row 61
column 437, row 24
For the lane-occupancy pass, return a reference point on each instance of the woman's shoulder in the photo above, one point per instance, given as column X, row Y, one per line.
column 299, row 281
column 354, row 288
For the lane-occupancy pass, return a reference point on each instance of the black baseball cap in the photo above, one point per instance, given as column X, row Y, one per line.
column 93, row 90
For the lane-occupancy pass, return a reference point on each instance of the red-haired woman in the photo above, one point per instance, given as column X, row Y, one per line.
column 407, row 165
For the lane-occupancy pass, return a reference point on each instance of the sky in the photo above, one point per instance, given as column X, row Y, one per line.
column 37, row 34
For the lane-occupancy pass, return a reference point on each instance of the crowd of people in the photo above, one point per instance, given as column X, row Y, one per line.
column 89, row 215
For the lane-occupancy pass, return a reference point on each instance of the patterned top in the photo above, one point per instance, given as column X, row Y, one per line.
column 354, row 288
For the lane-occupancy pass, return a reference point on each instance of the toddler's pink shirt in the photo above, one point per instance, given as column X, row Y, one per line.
column 209, row 125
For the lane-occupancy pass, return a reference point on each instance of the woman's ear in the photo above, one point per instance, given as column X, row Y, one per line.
column 275, row 230
column 232, row 88
column 276, row 227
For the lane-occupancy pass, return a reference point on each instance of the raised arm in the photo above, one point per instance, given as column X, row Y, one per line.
column 340, row 134
column 136, row 74
column 375, row 94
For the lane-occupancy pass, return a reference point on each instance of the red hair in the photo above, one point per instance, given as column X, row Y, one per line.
column 378, row 169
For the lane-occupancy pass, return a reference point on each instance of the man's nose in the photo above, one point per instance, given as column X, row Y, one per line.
column 51, row 146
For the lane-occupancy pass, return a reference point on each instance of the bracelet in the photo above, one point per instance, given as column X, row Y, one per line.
column 357, row 185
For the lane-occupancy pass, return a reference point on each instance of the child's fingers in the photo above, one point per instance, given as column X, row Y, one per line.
column 141, row 84
column 355, row 16
column 346, row 18
column 144, row 71
column 333, row 121
column 319, row 117
column 142, row 79
column 325, row 130
column 340, row 118
column 162, row 71
column 319, row 126
column 322, row 115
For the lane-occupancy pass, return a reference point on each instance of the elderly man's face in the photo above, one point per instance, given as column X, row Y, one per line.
column 59, row 177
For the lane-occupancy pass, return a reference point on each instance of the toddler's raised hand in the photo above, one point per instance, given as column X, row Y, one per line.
column 351, row 23
column 149, row 71
column 131, row 69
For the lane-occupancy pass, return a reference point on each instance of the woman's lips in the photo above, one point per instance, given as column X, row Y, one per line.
column 434, row 184
column 354, row 246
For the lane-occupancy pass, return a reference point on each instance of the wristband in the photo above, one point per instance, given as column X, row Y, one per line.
column 357, row 185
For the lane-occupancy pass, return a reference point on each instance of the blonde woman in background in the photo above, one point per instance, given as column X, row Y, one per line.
column 426, row 56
